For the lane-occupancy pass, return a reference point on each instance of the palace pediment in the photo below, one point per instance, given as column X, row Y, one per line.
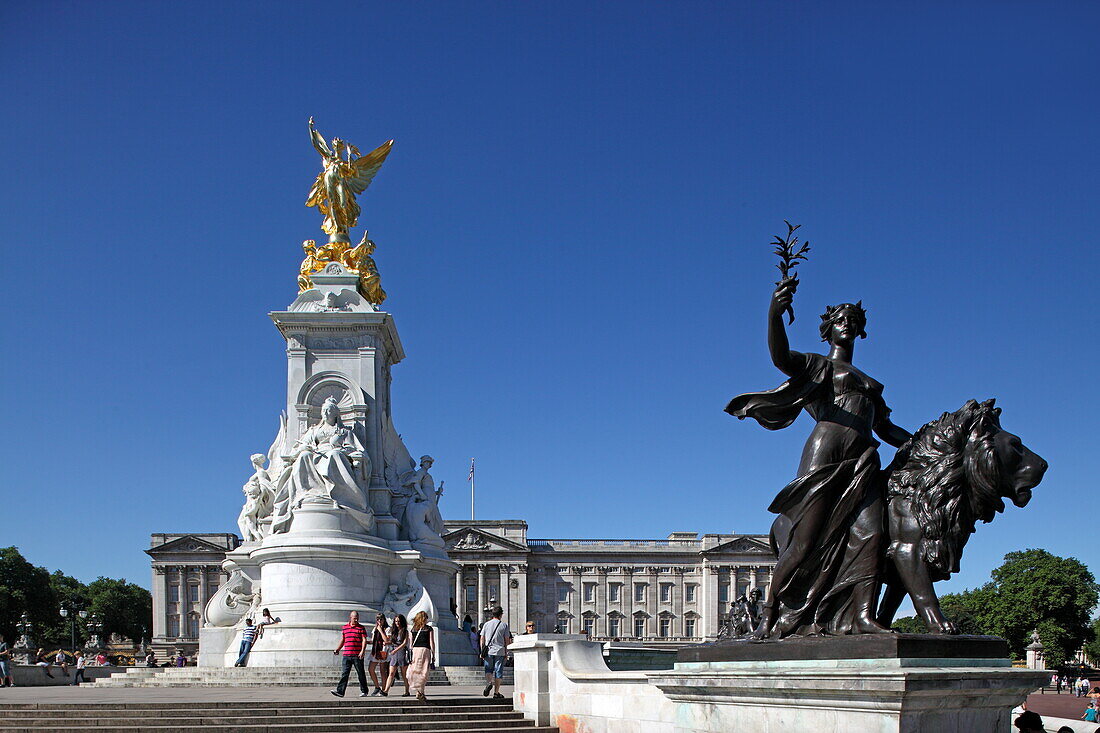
column 469, row 539
column 187, row 544
column 742, row 546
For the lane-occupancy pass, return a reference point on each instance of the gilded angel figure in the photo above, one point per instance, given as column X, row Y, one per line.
column 346, row 174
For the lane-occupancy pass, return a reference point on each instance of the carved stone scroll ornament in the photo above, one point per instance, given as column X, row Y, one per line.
column 232, row 601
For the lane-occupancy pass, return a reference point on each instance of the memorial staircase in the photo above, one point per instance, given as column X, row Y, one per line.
column 273, row 677
column 388, row 715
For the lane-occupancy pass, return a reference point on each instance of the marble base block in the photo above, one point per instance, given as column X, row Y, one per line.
column 564, row 682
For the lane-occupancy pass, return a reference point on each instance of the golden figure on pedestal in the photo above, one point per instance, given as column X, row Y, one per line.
column 346, row 174
column 356, row 259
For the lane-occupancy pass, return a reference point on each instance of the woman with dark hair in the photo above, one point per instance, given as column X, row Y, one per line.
column 379, row 643
column 828, row 535
column 399, row 653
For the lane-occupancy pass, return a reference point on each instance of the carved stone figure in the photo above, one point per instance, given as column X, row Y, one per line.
column 955, row 471
column 329, row 464
column 249, row 520
column 829, row 534
column 421, row 522
column 400, row 598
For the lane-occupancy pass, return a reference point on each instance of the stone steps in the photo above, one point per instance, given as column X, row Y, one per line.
column 269, row 677
column 375, row 715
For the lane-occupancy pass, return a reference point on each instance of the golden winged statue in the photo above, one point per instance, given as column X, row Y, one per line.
column 346, row 174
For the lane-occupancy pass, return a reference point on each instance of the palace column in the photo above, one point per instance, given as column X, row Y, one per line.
column 480, row 613
column 521, row 596
column 709, row 600
column 506, row 591
column 459, row 606
column 651, row 600
column 601, row 601
column 575, row 600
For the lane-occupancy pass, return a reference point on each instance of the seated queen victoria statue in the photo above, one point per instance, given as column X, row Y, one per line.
column 328, row 465
column 830, row 534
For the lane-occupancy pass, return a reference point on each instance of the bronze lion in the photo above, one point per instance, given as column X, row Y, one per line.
column 952, row 473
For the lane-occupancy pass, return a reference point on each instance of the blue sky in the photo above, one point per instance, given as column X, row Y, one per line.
column 573, row 228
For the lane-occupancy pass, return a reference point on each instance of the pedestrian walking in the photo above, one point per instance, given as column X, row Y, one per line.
column 43, row 660
column 80, row 663
column 353, row 642
column 248, row 638
column 5, row 664
column 399, row 653
column 379, row 651
column 423, row 652
column 495, row 638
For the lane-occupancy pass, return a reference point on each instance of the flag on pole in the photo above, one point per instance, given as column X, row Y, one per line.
column 471, row 476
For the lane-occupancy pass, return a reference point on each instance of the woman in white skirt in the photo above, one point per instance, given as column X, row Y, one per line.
column 379, row 652
column 423, row 649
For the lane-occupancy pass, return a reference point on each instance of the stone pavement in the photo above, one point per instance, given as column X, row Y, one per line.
column 125, row 695
column 1052, row 704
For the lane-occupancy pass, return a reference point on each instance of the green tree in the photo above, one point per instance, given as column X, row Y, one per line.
column 1092, row 646
column 25, row 588
column 72, row 595
column 1034, row 589
column 123, row 608
column 909, row 625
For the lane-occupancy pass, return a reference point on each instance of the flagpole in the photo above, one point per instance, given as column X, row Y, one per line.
column 472, row 491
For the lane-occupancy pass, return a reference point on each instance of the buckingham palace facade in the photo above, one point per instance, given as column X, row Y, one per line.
column 661, row 591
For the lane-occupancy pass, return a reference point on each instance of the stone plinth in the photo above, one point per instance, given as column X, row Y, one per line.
column 563, row 681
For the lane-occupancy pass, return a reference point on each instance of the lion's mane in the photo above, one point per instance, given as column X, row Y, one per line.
column 949, row 474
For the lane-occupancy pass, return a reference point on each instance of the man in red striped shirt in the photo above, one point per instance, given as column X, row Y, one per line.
column 353, row 642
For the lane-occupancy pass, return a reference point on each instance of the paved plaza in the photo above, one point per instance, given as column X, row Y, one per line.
column 89, row 695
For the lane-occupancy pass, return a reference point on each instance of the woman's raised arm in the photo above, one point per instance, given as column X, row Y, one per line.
column 778, row 344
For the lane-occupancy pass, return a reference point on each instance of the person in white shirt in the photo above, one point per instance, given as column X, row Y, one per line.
column 78, row 675
column 495, row 638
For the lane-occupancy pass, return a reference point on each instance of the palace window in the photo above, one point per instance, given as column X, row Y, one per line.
column 639, row 627
column 589, row 626
column 563, row 626
column 536, row 593
column 194, row 594
column 665, row 628
column 666, row 592
column 173, row 626
column 589, row 592
column 563, row 593
column 613, row 626
column 689, row 627
column 193, row 626
column 613, row 592
column 471, row 596
column 639, row 592
column 494, row 591
column 173, row 594
column 689, row 593
column 723, row 592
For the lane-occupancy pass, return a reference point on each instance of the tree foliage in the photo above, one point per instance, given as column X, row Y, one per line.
column 124, row 608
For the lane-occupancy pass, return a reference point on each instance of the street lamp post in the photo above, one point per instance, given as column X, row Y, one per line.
column 69, row 614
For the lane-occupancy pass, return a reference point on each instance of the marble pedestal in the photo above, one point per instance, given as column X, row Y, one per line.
column 563, row 681
column 313, row 576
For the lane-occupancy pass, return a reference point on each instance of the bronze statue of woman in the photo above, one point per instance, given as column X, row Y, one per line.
column 829, row 534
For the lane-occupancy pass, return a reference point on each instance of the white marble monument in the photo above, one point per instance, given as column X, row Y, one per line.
column 340, row 518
